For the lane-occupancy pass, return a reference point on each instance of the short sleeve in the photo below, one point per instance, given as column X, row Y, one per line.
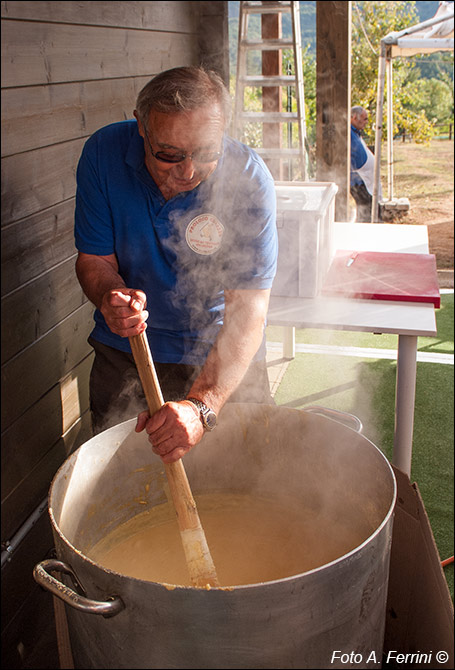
column 93, row 231
column 254, row 244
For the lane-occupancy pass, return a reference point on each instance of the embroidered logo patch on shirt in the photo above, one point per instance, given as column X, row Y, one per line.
column 204, row 234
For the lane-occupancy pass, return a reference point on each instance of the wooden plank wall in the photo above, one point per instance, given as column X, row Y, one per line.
column 68, row 68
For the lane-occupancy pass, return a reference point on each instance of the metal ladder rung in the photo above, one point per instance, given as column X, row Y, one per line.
column 295, row 81
column 269, row 117
column 266, row 45
column 269, row 8
column 260, row 80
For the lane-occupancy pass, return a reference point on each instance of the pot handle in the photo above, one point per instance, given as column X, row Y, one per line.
column 349, row 420
column 41, row 574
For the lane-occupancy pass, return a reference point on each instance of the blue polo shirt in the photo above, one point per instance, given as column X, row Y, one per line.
column 182, row 252
column 358, row 156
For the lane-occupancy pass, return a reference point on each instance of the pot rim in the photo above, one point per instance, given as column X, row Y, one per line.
column 171, row 587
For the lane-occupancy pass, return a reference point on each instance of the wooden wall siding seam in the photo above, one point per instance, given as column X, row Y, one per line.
column 172, row 30
column 68, row 261
column 45, row 362
column 26, row 233
column 6, row 226
column 49, row 332
column 177, row 15
column 40, row 429
column 31, row 311
column 21, row 502
column 33, row 246
column 28, row 439
column 39, row 276
column 38, row 54
column 28, row 189
column 41, row 116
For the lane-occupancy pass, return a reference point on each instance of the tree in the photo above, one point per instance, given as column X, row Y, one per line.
column 371, row 21
column 422, row 96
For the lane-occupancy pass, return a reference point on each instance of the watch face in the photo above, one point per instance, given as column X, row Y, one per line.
column 208, row 416
column 210, row 419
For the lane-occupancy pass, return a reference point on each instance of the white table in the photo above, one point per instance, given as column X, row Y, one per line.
column 408, row 320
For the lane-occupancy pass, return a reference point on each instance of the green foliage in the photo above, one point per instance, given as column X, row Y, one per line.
column 423, row 104
column 417, row 104
column 309, row 79
column 371, row 21
column 437, row 65
column 435, row 98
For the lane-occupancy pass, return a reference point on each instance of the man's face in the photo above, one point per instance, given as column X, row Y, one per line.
column 198, row 132
column 360, row 121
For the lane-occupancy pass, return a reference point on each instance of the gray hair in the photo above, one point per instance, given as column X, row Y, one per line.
column 182, row 89
column 357, row 110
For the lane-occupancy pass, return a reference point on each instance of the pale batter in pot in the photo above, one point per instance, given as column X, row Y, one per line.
column 251, row 540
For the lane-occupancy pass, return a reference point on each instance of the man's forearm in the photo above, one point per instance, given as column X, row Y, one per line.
column 237, row 343
column 97, row 275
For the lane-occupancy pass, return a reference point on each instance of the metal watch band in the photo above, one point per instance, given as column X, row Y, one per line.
column 207, row 415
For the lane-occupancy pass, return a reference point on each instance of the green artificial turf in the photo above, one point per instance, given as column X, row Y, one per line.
column 366, row 387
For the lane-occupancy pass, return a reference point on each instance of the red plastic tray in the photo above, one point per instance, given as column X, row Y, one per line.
column 383, row 276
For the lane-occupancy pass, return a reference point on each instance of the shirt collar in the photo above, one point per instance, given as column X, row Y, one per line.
column 135, row 152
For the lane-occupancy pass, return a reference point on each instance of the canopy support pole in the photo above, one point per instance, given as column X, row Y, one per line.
column 378, row 133
column 389, row 129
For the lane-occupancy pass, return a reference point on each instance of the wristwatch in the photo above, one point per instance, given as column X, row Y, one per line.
column 207, row 415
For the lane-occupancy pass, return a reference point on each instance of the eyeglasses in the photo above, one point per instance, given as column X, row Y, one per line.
column 196, row 156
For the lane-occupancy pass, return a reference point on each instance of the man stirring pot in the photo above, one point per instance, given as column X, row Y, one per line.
column 176, row 232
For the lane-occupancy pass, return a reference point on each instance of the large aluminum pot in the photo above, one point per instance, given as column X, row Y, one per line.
column 304, row 621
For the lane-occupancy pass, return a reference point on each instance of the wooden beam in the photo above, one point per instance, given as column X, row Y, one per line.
column 333, row 99
column 271, row 95
column 213, row 37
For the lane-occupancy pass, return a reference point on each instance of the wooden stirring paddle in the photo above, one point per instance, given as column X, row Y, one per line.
column 197, row 554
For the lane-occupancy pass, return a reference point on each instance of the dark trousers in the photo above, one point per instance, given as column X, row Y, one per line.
column 116, row 392
column 363, row 201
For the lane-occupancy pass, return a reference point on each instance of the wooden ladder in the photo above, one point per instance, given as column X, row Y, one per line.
column 243, row 80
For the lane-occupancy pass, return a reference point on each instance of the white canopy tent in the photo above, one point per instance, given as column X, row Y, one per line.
column 436, row 34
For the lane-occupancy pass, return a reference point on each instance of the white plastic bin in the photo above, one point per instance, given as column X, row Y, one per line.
column 305, row 215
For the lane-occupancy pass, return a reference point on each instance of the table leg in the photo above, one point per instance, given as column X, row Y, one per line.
column 404, row 402
column 288, row 342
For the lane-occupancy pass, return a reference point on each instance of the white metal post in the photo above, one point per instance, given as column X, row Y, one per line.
column 405, row 402
column 378, row 134
column 389, row 129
